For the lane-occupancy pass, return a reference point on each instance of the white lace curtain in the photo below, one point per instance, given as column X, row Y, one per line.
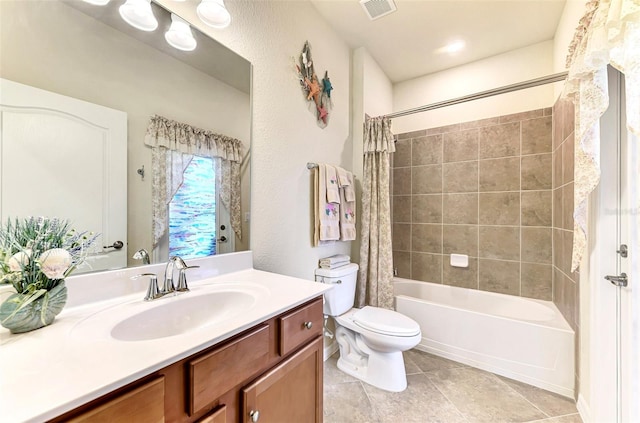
column 173, row 146
column 609, row 34
column 375, row 284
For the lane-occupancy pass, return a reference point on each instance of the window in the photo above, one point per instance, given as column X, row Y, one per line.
column 192, row 212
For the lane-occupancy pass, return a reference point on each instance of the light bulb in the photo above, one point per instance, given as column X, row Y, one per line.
column 179, row 34
column 138, row 14
column 213, row 13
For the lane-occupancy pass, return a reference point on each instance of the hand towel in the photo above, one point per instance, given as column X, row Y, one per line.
column 326, row 215
column 335, row 265
column 333, row 196
column 335, row 259
column 345, row 180
column 347, row 217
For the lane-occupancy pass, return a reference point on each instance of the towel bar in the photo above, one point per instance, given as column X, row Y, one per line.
column 312, row 165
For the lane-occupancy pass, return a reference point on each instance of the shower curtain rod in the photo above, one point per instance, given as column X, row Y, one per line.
column 556, row 77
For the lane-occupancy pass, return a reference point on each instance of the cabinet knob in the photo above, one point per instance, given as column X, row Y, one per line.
column 308, row 325
column 255, row 415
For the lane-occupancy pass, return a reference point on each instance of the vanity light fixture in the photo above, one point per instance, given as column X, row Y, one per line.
column 179, row 34
column 214, row 13
column 97, row 2
column 454, row 47
column 138, row 14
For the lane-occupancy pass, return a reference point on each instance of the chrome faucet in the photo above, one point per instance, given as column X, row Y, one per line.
column 143, row 255
column 152, row 291
column 168, row 286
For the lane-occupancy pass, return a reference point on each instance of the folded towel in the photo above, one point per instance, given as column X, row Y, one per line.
column 345, row 180
column 335, row 265
column 326, row 215
column 333, row 196
column 347, row 218
column 337, row 258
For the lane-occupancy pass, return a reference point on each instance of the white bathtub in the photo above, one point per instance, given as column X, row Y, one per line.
column 520, row 338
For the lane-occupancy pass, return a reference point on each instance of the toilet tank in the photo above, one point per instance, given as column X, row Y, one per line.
column 341, row 297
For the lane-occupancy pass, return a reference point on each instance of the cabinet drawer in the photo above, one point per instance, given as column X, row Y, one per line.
column 142, row 404
column 217, row 372
column 300, row 326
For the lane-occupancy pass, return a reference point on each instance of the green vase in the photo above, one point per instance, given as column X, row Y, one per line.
column 34, row 315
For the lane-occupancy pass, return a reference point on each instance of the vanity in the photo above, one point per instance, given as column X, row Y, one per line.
column 242, row 346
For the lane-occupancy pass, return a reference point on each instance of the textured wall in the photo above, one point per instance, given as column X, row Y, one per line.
column 285, row 135
column 480, row 188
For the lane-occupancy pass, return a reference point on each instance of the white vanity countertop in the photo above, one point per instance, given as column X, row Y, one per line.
column 52, row 370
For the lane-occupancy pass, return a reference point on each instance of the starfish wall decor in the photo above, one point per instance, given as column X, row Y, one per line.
column 317, row 92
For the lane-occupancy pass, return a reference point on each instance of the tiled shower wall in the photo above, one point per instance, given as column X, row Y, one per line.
column 565, row 283
column 481, row 188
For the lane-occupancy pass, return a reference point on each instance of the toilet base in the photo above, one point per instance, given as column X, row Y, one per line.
column 384, row 370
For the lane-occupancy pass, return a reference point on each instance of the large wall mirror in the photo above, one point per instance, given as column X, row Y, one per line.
column 86, row 53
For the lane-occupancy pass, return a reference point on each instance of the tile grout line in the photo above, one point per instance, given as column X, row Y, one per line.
column 520, row 394
column 463, row 415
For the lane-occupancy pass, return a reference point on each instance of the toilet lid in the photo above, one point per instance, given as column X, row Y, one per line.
column 386, row 322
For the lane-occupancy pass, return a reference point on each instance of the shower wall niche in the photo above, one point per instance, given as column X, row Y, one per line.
column 482, row 188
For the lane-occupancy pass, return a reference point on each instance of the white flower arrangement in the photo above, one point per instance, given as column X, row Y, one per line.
column 37, row 253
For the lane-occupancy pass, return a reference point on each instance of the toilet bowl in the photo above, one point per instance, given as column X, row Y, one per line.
column 371, row 339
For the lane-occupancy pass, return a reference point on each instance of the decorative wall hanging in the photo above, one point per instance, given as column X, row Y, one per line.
column 317, row 92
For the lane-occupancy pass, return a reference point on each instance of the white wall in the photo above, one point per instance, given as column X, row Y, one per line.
column 57, row 48
column 509, row 68
column 571, row 14
column 285, row 134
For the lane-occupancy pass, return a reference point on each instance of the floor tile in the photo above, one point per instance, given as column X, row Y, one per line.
column 420, row 402
column 410, row 366
column 482, row 397
column 548, row 402
column 571, row 418
column 429, row 362
column 347, row 403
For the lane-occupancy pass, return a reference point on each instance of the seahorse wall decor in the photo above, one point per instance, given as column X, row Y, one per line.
column 317, row 92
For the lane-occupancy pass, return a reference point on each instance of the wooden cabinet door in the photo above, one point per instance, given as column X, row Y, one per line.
column 291, row 392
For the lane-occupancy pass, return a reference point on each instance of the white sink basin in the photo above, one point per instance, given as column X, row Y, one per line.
column 172, row 315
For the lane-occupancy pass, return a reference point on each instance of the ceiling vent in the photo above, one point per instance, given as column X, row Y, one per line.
column 378, row 8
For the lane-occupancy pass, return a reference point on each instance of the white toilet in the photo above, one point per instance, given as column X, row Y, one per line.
column 371, row 339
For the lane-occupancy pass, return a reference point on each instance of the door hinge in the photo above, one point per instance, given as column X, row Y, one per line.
column 623, row 251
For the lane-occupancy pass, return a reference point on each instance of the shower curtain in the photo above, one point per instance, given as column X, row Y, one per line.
column 376, row 265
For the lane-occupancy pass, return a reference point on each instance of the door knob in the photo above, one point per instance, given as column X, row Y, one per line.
column 117, row 245
column 223, row 239
column 255, row 415
column 620, row 280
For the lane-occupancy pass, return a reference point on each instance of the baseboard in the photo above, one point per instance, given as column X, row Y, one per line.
column 330, row 349
column 583, row 409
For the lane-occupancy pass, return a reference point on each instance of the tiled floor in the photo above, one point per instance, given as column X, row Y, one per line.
column 444, row 391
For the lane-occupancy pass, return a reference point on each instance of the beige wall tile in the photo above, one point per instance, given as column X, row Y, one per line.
column 464, row 277
column 558, row 288
column 558, row 247
column 499, row 208
column 426, row 267
column 536, row 281
column 402, row 262
column 569, row 301
column 444, row 129
column 558, row 112
column 460, row 239
column 460, row 208
column 536, row 208
column 413, row 134
column 499, row 242
column 401, row 209
column 499, row 174
column 426, row 150
column 460, row 146
column 460, row 177
column 479, row 123
column 548, row 111
column 499, row 141
column 557, row 168
column 568, row 119
column 537, row 135
column 499, row 276
column 568, row 159
column 536, row 245
column 402, row 156
column 567, row 250
column 557, row 208
column 426, row 179
column 567, row 207
column 514, row 117
column 427, row 208
column 402, row 181
column 426, row 238
column 536, row 172
column 401, row 236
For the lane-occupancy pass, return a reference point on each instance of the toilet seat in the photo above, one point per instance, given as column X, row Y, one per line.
column 385, row 322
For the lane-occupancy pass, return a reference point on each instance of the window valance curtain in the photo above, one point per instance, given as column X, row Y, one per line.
column 609, row 34
column 173, row 144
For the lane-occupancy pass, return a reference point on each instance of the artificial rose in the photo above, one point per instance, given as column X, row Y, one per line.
column 54, row 262
column 19, row 260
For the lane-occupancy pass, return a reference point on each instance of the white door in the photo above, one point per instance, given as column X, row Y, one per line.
column 63, row 157
column 612, row 318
